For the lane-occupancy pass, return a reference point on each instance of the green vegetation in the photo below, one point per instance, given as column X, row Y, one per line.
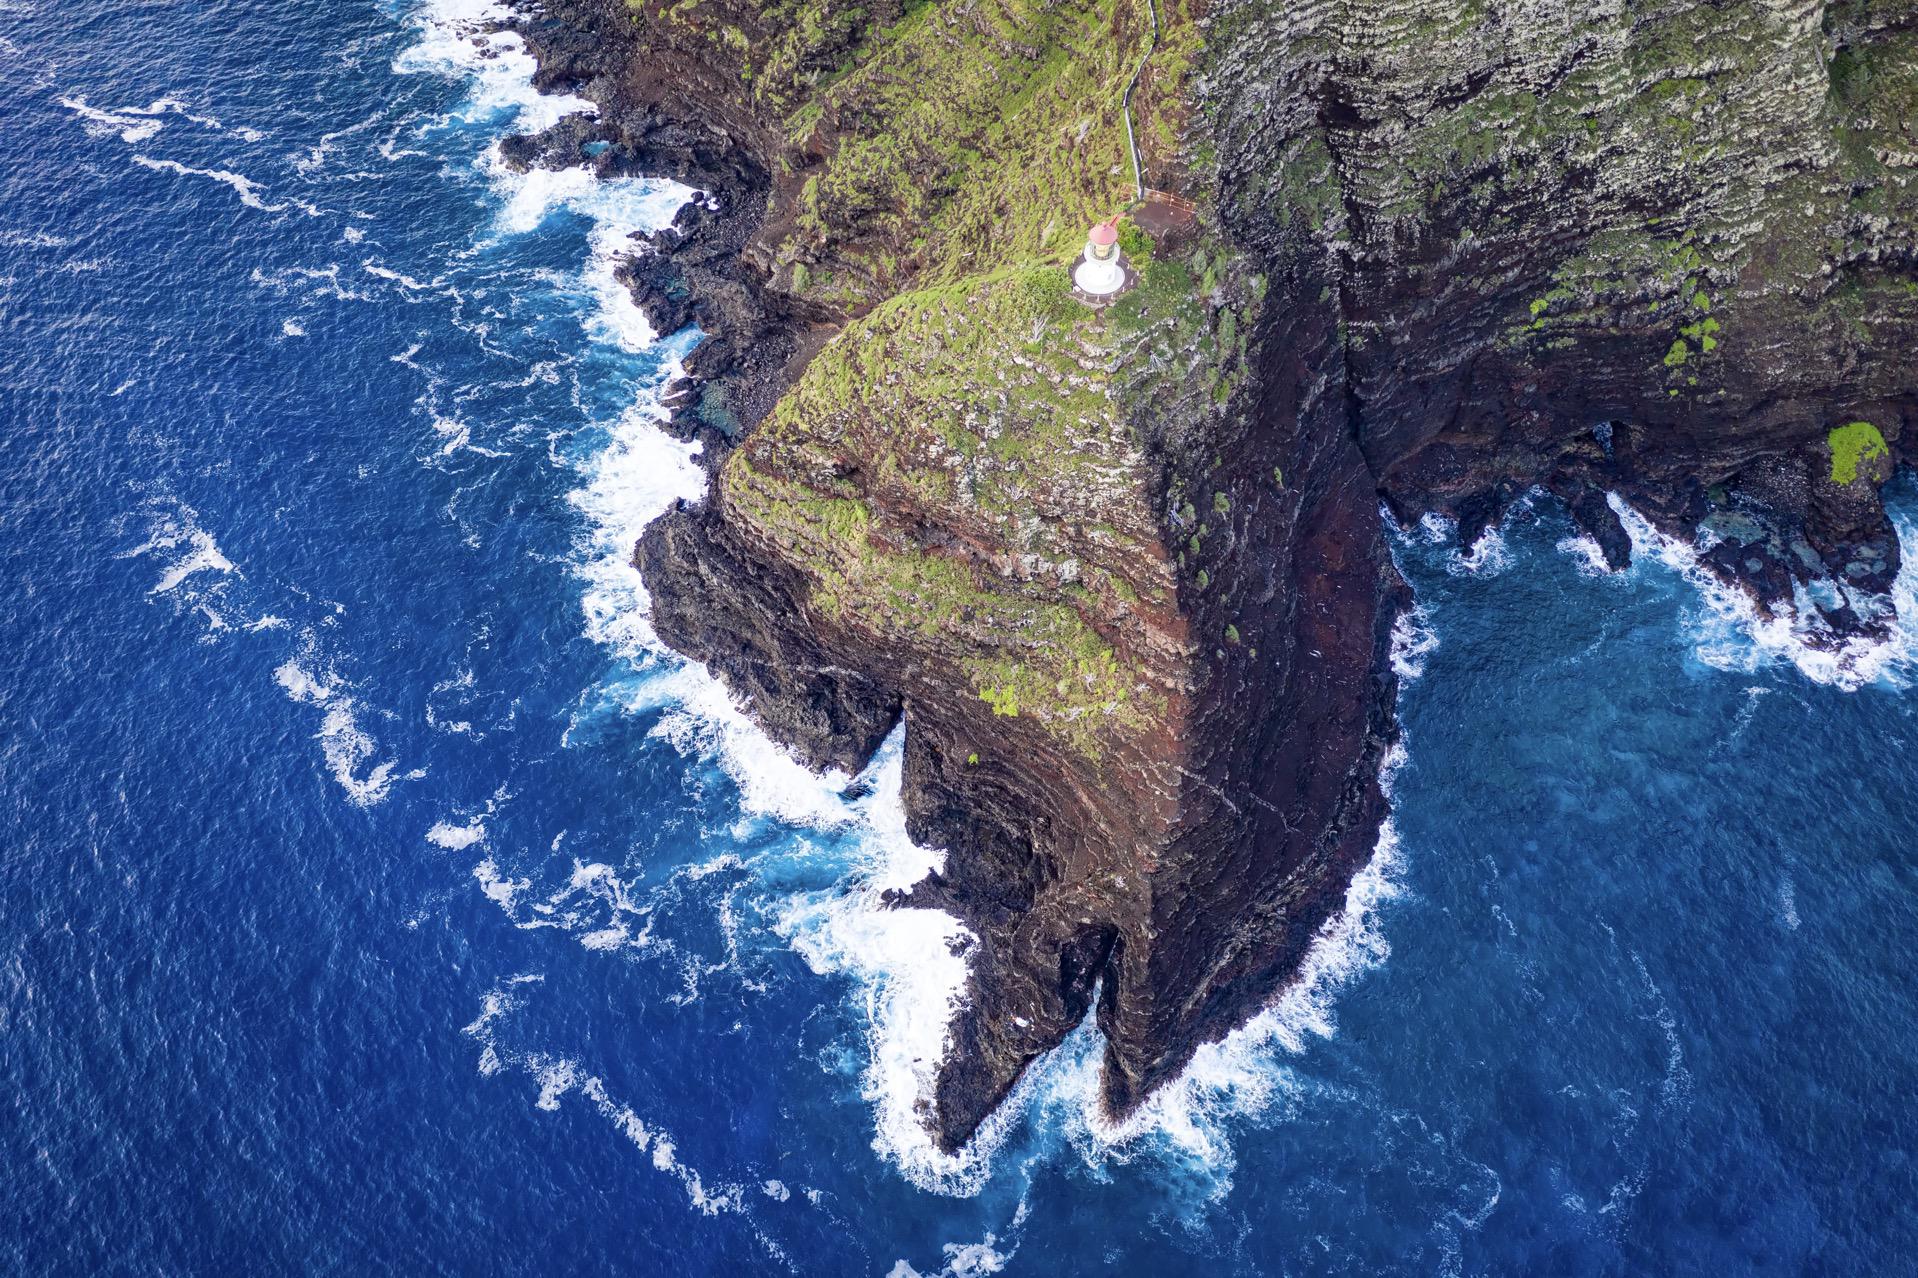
column 961, row 402
column 931, row 473
column 1851, row 444
column 960, row 136
column 1004, row 701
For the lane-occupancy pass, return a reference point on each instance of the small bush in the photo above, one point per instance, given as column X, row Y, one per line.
column 1134, row 242
column 1852, row 444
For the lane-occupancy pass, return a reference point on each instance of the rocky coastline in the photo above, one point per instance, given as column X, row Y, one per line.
column 1124, row 576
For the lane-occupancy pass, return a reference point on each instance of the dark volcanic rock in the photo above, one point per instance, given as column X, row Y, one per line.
column 1123, row 576
column 734, row 613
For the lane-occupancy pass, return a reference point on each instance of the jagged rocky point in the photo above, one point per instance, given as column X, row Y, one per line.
column 1121, row 569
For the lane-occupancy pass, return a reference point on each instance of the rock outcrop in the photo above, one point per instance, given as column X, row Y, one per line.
column 1122, row 572
column 1664, row 252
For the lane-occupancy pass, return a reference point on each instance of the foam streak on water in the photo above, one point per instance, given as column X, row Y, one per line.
column 559, row 1076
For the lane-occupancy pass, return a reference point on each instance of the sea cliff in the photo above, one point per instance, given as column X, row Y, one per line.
column 1123, row 572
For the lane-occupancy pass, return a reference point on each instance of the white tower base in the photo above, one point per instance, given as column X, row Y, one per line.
column 1100, row 279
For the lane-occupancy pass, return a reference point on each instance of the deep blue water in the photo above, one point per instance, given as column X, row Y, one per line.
column 375, row 898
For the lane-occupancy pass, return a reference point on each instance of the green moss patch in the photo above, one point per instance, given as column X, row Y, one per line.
column 1851, row 444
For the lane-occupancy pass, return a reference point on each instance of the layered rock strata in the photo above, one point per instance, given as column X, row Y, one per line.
column 1122, row 572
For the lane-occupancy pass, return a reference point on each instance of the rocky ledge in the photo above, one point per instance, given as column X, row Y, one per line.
column 1122, row 572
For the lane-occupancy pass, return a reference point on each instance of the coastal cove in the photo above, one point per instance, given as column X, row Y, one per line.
column 383, row 895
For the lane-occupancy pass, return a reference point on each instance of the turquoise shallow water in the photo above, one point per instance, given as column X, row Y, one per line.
column 377, row 898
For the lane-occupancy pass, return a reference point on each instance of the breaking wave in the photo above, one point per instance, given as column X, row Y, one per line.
column 1728, row 633
column 1413, row 640
column 909, row 978
column 1243, row 1077
column 457, row 37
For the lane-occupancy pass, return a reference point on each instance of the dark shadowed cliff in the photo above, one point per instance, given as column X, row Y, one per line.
column 1123, row 572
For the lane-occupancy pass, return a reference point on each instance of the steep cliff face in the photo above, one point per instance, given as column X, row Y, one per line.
column 1122, row 571
column 1662, row 250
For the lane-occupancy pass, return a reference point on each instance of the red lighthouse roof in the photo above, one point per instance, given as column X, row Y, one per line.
column 1104, row 233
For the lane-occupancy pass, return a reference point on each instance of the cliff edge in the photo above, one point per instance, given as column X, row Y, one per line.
column 1121, row 571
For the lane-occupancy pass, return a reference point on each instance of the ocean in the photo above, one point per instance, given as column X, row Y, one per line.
column 378, row 896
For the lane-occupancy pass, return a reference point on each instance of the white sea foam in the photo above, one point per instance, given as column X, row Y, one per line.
column 1487, row 557
column 910, row 979
column 558, row 1077
column 595, row 904
column 1587, row 554
column 196, row 577
column 636, row 476
column 1413, row 640
column 246, row 188
column 345, row 747
column 131, row 126
column 32, row 239
column 319, row 281
column 497, row 888
column 201, row 554
column 1675, row 1088
column 705, row 722
column 456, row 838
column 199, row 578
column 404, row 280
column 1189, row 1122
column 292, row 328
column 629, row 482
column 617, row 208
column 136, row 124
column 1788, row 903
column 454, row 40
column 990, row 1255
column 1728, row 633
column 1243, row 1076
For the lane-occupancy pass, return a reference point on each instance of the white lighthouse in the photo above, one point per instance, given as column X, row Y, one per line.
column 1101, row 272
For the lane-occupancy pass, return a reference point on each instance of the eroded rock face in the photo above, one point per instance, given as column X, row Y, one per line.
column 1122, row 572
column 1151, row 780
column 1601, row 247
